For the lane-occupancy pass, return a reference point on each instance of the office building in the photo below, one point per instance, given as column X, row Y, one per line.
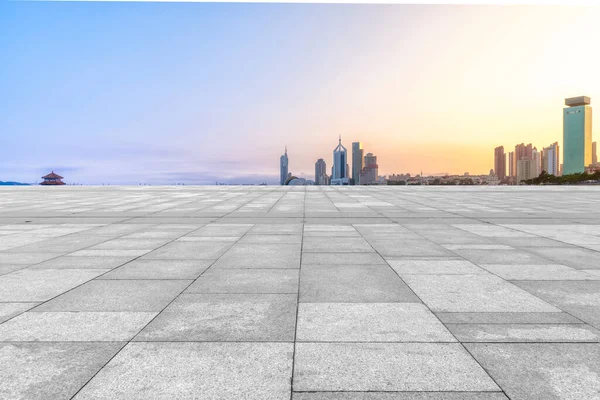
column 321, row 177
column 500, row 162
column 525, row 169
column 536, row 157
column 283, row 168
column 594, row 153
column 357, row 162
column 512, row 170
column 577, row 135
column 370, row 171
column 339, row 173
column 551, row 159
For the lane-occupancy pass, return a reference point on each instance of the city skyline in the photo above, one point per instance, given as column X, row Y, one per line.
column 159, row 93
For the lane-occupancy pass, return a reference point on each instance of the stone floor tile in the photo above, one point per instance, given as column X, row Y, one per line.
column 118, row 295
column 146, row 371
column 387, row 367
column 538, row 333
column 399, row 396
column 507, row 318
column 261, row 256
column 225, row 317
column 435, row 266
column 473, row 293
column 10, row 310
column 70, row 262
column 542, row 370
column 353, row 284
column 178, row 250
column 42, row 371
column 369, row 322
column 28, row 285
column 75, row 326
column 552, row 272
column 159, row 269
column 250, row 280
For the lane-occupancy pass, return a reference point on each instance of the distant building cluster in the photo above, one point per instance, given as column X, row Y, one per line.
column 579, row 152
column 365, row 170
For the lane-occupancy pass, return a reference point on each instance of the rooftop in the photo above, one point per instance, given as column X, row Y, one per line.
column 303, row 293
column 578, row 101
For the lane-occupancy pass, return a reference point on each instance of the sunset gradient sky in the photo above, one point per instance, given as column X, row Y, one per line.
column 162, row 93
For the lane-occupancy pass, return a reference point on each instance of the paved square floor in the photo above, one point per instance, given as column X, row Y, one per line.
column 300, row 293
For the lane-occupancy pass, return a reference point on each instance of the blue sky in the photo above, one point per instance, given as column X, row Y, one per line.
column 161, row 93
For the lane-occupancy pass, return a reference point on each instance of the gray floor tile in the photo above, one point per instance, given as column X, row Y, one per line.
column 387, row 367
column 75, row 326
column 550, row 272
column 118, row 295
column 159, row 269
column 42, row 284
column 10, row 310
column 474, row 293
column 435, row 266
column 542, row 371
column 352, row 284
column 538, row 333
column 369, row 322
column 42, row 371
column 260, row 256
column 69, row 262
column 202, row 370
column 507, row 318
column 252, row 280
column 225, row 317
column 399, row 396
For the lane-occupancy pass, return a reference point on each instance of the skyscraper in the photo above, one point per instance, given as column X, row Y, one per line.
column 283, row 167
column 577, row 135
column 512, row 168
column 500, row 162
column 321, row 172
column 339, row 175
column 594, row 153
column 525, row 169
column 551, row 159
column 370, row 172
column 357, row 161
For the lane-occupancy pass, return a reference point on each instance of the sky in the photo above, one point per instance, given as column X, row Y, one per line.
column 128, row 93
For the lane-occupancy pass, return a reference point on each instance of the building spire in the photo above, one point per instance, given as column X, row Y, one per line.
column 340, row 139
column 286, row 150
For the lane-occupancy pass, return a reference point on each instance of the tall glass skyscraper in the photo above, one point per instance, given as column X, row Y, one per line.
column 357, row 161
column 577, row 135
column 339, row 175
column 283, row 167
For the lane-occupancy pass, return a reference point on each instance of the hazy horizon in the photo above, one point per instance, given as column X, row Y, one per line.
column 199, row 92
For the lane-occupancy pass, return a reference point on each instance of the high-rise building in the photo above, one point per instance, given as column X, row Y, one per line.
column 321, row 177
column 525, row 169
column 370, row 172
column 339, row 174
column 500, row 162
column 594, row 153
column 283, row 168
column 551, row 159
column 536, row 157
column 512, row 168
column 577, row 135
column 522, row 151
column 357, row 161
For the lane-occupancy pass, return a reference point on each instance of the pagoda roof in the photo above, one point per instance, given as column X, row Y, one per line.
column 52, row 175
column 52, row 183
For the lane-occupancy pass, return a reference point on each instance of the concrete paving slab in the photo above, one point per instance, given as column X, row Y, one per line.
column 579, row 298
column 353, row 284
column 118, row 295
column 10, row 310
column 507, row 318
column 144, row 371
column 260, row 256
column 387, row 367
column 225, row 317
column 399, row 396
column 435, row 266
column 70, row 262
column 253, row 280
column 369, row 322
column 75, row 326
column 538, row 333
column 552, row 272
column 42, row 371
column 39, row 285
column 542, row 370
column 473, row 293
column 159, row 269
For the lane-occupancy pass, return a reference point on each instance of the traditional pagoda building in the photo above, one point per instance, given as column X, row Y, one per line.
column 52, row 179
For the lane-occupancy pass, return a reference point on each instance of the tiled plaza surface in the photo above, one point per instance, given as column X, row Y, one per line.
column 303, row 293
